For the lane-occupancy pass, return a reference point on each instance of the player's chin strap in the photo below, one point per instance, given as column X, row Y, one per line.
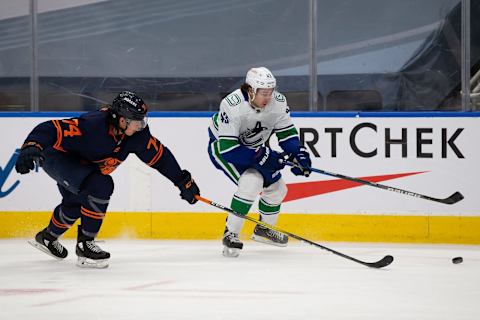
column 385, row 261
column 454, row 198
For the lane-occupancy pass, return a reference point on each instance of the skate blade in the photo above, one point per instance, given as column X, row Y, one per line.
column 231, row 252
column 42, row 248
column 83, row 262
column 268, row 241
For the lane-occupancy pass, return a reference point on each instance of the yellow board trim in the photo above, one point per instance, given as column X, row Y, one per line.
column 204, row 226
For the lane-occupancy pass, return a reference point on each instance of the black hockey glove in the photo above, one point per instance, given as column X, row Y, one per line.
column 30, row 153
column 188, row 188
column 269, row 160
column 302, row 159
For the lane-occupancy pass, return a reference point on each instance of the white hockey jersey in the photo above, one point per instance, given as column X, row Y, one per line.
column 238, row 123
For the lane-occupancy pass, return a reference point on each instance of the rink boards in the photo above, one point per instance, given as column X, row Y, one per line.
column 434, row 154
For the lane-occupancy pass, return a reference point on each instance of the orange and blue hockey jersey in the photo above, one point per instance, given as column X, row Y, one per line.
column 91, row 138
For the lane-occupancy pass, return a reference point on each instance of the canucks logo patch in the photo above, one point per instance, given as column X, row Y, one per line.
column 233, row 99
column 280, row 97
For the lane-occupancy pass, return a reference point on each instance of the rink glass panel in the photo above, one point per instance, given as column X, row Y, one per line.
column 15, row 55
column 370, row 55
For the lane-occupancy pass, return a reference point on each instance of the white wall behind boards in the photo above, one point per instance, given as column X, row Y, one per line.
column 444, row 150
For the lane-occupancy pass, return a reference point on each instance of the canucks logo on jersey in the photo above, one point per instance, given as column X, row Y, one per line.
column 250, row 137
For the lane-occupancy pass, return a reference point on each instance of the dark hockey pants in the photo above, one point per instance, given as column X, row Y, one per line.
column 85, row 193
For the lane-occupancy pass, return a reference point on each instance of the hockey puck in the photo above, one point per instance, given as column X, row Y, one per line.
column 457, row 260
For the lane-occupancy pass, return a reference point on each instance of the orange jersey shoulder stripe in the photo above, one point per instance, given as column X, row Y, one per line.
column 157, row 156
column 58, row 143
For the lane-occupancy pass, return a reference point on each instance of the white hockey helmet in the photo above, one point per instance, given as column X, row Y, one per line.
column 260, row 78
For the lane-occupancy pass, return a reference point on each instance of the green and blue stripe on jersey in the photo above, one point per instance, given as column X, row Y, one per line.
column 288, row 139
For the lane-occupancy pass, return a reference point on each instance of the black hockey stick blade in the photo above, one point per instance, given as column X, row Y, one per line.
column 385, row 261
column 454, row 198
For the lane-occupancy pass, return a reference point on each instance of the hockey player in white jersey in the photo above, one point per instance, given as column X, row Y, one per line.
column 238, row 135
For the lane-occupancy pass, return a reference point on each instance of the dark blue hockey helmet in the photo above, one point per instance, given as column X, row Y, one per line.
column 130, row 106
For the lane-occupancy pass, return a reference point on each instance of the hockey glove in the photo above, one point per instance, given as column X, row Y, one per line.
column 30, row 154
column 188, row 188
column 267, row 159
column 302, row 159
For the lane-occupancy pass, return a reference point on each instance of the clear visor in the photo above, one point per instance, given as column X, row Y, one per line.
column 137, row 125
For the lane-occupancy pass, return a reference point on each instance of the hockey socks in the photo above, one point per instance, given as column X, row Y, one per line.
column 63, row 218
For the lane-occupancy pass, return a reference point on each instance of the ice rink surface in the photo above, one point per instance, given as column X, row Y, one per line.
column 192, row 280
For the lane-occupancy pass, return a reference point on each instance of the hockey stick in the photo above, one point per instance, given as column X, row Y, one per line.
column 454, row 198
column 385, row 261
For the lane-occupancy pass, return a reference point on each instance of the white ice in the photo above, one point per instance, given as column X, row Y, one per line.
column 192, row 280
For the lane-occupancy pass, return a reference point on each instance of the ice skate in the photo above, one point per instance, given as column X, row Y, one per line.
column 231, row 244
column 46, row 242
column 90, row 255
column 268, row 236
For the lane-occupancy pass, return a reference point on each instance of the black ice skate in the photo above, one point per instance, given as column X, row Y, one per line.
column 265, row 235
column 231, row 244
column 48, row 243
column 90, row 255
